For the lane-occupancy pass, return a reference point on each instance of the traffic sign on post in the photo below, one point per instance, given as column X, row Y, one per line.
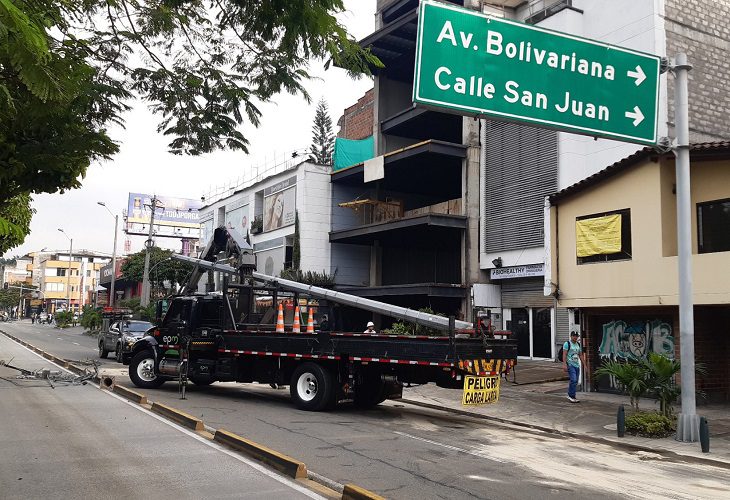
column 474, row 64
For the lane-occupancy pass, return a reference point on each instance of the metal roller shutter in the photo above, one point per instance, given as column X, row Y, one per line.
column 520, row 169
column 520, row 293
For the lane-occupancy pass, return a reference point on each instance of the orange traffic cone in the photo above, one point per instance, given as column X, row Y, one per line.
column 310, row 321
column 280, row 320
column 296, row 326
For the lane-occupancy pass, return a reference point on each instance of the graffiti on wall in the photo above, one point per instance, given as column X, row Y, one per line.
column 634, row 340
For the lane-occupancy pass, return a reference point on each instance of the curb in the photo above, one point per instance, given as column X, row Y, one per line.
column 557, row 379
column 352, row 492
column 178, row 416
column 584, row 437
column 130, row 394
column 283, row 463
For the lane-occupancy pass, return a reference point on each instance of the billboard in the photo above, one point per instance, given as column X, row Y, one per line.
column 238, row 219
column 174, row 217
column 280, row 204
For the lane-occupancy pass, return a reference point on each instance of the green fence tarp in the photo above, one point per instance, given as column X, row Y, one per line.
column 349, row 152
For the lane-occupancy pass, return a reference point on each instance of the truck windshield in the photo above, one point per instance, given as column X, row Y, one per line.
column 179, row 311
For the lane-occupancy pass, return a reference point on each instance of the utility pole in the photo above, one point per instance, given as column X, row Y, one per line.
column 688, row 424
column 113, row 297
column 145, row 299
column 20, row 301
column 68, row 273
column 114, row 253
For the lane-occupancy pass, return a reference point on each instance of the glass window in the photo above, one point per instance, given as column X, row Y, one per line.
column 179, row 311
column 713, row 226
column 622, row 251
column 60, row 272
column 209, row 312
column 137, row 326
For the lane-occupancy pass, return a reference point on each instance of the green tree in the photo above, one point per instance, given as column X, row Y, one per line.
column 9, row 298
column 162, row 269
column 67, row 69
column 15, row 216
column 63, row 318
column 296, row 253
column 323, row 140
column 91, row 318
column 630, row 376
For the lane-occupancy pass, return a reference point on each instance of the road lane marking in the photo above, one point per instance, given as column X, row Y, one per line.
column 75, row 343
column 454, row 448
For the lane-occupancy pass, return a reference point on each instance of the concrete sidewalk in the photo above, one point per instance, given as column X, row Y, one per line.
column 538, row 400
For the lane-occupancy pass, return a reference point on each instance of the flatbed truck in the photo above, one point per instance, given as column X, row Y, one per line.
column 216, row 336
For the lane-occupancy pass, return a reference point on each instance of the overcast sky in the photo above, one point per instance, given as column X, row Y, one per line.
column 144, row 166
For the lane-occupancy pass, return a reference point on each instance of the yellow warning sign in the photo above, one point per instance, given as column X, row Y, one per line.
column 480, row 390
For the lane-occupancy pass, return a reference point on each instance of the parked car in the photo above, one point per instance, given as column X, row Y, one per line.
column 120, row 337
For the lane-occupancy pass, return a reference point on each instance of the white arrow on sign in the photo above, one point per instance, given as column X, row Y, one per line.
column 638, row 74
column 637, row 115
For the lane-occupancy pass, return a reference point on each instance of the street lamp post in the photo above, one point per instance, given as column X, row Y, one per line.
column 68, row 273
column 114, row 253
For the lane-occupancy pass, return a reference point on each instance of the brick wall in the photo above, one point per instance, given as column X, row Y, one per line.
column 712, row 349
column 701, row 29
column 357, row 121
column 712, row 342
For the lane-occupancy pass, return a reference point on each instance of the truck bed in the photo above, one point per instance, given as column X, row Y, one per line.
column 377, row 348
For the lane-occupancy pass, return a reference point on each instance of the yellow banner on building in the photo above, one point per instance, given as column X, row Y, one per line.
column 598, row 236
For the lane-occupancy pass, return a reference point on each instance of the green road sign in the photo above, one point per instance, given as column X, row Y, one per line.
column 471, row 63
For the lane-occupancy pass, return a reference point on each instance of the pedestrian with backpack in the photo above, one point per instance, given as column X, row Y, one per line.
column 573, row 356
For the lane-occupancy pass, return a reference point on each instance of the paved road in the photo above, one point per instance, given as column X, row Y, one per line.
column 405, row 452
column 81, row 442
column 69, row 343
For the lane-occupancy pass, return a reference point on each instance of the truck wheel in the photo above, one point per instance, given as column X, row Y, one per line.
column 102, row 352
column 142, row 371
column 311, row 387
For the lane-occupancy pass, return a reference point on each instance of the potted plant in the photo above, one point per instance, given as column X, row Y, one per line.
column 257, row 224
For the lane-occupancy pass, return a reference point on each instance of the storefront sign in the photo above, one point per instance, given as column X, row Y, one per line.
column 528, row 271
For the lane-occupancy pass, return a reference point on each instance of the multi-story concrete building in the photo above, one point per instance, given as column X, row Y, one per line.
column 18, row 271
column 73, row 280
column 454, row 207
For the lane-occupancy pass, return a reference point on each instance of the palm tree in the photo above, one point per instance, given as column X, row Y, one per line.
column 660, row 372
column 631, row 378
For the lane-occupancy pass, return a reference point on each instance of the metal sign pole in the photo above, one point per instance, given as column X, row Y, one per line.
column 687, row 421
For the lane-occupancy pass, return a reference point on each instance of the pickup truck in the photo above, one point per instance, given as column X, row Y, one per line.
column 120, row 338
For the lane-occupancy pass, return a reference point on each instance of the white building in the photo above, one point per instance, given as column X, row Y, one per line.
column 266, row 210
